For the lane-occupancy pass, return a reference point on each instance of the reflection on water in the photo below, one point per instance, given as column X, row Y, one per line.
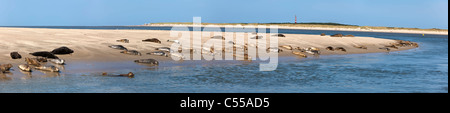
column 424, row 69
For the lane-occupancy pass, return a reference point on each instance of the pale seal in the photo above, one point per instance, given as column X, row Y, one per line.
column 158, row 53
column 47, row 68
column 25, row 67
column 119, row 47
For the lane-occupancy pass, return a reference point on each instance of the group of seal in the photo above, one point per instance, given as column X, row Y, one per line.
column 330, row 48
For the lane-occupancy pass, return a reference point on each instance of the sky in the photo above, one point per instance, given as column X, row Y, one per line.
column 390, row 13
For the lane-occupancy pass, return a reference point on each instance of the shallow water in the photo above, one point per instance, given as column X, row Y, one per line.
column 423, row 70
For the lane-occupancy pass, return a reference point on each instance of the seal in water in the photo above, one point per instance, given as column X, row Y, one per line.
column 155, row 40
column 62, row 51
column 44, row 54
column 340, row 49
column 300, row 54
column 130, row 75
column 158, row 53
column 147, row 61
column 32, row 62
column 119, row 47
column 5, row 67
column 123, row 40
column 47, row 68
column 166, row 49
column 131, row 52
column 57, row 61
column 330, row 48
column 25, row 67
column 279, row 35
column 15, row 55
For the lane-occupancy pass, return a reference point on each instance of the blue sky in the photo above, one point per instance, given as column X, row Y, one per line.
column 394, row 13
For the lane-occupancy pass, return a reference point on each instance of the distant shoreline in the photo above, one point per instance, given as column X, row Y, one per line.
column 321, row 27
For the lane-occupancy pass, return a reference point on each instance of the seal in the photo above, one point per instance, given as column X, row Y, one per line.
column 62, row 51
column 158, row 53
column 330, row 48
column 131, row 52
column 279, row 35
column 218, row 37
column 47, row 68
column 147, row 61
column 392, row 46
column 174, row 41
column 119, row 47
column 349, row 35
column 166, row 49
column 323, row 34
column 313, row 51
column 32, row 62
column 42, row 59
column 44, row 54
column 300, row 54
column 130, row 75
column 5, row 67
column 360, row 47
column 25, row 67
column 155, row 40
column 57, row 61
column 15, row 55
column 385, row 48
column 257, row 37
column 271, row 49
column 123, row 40
column 337, row 35
column 341, row 49
column 288, row 47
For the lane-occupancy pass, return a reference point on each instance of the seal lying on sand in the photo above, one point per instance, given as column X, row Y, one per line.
column 330, row 48
column 257, row 37
column 300, row 54
column 25, row 67
column 218, row 37
column 337, row 35
column 340, row 49
column 313, row 51
column 32, row 62
column 360, row 47
column 155, row 40
column 166, row 49
column 323, row 34
column 123, row 40
column 349, row 35
column 44, row 54
column 174, row 41
column 57, row 61
column 47, row 68
column 385, row 48
column 131, row 52
column 279, row 35
column 270, row 49
column 130, row 75
column 62, row 51
column 15, row 55
column 288, row 47
column 5, row 67
column 43, row 59
column 119, row 47
column 158, row 53
column 392, row 46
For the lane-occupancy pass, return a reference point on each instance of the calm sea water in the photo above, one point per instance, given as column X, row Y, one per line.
column 421, row 70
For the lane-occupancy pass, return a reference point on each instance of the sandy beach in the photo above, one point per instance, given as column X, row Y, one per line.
column 92, row 45
column 334, row 28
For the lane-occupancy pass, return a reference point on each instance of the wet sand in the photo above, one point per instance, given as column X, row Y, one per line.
column 92, row 45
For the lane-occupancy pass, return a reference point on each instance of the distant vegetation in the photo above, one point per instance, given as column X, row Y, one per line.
column 312, row 24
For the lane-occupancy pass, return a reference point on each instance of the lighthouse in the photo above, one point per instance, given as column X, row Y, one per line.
column 295, row 18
